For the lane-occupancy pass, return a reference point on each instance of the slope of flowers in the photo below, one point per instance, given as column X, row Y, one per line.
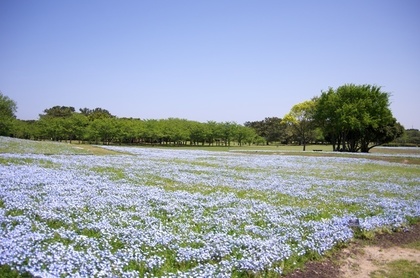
column 15, row 145
column 189, row 213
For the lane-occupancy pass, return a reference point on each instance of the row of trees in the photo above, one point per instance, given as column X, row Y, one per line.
column 352, row 118
column 63, row 123
column 409, row 138
column 277, row 130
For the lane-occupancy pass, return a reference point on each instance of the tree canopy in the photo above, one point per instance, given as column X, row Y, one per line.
column 356, row 117
column 410, row 137
column 58, row 112
column 99, row 125
column 271, row 129
column 352, row 118
column 300, row 119
column 96, row 113
column 8, row 109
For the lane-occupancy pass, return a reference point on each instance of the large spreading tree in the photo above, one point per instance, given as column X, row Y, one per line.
column 8, row 109
column 356, row 117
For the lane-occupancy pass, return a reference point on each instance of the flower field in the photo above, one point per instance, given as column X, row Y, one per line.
column 146, row 212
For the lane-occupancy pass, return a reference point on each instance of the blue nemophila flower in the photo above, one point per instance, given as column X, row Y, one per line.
column 187, row 213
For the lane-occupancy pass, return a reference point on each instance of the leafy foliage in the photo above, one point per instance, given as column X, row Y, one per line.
column 58, row 112
column 409, row 137
column 97, row 113
column 271, row 129
column 7, row 114
column 98, row 125
column 352, row 117
column 300, row 119
column 356, row 117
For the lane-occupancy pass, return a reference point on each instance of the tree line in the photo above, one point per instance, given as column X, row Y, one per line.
column 351, row 117
column 63, row 123
column 410, row 137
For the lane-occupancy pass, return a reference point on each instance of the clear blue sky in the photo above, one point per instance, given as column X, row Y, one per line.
column 206, row 60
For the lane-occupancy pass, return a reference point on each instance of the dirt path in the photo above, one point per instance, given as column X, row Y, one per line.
column 373, row 258
column 363, row 257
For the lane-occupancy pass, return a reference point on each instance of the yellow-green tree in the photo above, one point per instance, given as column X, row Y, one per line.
column 300, row 120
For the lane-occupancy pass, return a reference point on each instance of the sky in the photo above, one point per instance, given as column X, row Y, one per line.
column 218, row 60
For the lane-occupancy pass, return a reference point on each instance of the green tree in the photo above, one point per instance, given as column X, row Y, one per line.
column 271, row 128
column 214, row 132
column 198, row 133
column 63, row 123
column 75, row 126
column 356, row 117
column 58, row 112
column 138, row 127
column 259, row 140
column 128, row 130
column 105, row 130
column 52, row 128
column 411, row 136
column 153, row 131
column 300, row 119
column 228, row 132
column 376, row 136
column 53, row 122
column 97, row 113
column 175, row 130
column 245, row 135
column 318, row 136
column 8, row 109
column 25, row 129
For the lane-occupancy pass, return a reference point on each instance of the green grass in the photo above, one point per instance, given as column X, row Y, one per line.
column 7, row 272
column 28, row 161
column 252, row 148
column 374, row 154
column 56, row 223
column 38, row 147
column 413, row 150
column 398, row 269
column 286, row 148
column 413, row 245
column 58, row 238
column 114, row 173
column 95, row 150
column 14, row 212
column 49, row 147
column 16, row 161
column 92, row 233
column 134, row 265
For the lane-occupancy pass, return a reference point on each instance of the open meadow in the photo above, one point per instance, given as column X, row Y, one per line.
column 116, row 211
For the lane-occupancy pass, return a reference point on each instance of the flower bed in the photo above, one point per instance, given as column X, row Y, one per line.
column 184, row 213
